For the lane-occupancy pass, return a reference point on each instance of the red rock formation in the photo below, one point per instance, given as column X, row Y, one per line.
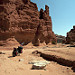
column 11, row 42
column 71, row 36
column 21, row 19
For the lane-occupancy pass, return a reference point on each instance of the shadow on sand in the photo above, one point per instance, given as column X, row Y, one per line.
column 10, row 57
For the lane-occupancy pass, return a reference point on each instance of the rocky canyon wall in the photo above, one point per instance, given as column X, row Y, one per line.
column 22, row 20
column 71, row 36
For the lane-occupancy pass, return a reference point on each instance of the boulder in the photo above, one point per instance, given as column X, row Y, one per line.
column 39, row 64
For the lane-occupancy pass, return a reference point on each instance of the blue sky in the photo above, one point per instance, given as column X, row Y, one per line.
column 62, row 13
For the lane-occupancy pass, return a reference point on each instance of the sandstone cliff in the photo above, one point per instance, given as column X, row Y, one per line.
column 71, row 36
column 21, row 19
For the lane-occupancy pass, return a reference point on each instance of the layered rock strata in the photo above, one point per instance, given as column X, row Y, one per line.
column 21, row 19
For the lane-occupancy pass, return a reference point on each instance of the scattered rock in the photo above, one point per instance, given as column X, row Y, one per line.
column 2, row 53
column 44, row 69
column 45, row 62
column 21, row 60
column 39, row 64
column 67, row 68
column 35, row 52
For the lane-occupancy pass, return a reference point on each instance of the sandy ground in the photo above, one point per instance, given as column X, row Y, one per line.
column 12, row 66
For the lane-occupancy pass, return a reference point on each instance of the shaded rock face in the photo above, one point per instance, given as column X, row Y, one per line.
column 60, row 38
column 71, row 36
column 10, row 42
column 21, row 19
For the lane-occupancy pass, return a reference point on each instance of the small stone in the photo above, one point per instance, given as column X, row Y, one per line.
column 21, row 60
column 67, row 68
column 0, row 52
column 45, row 69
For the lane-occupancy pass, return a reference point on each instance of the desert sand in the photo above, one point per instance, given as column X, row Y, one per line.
column 12, row 66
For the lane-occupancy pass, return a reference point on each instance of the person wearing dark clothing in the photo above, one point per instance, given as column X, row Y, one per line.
column 20, row 49
column 15, row 52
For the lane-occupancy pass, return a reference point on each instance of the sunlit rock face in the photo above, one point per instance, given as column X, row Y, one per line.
column 71, row 35
column 21, row 19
